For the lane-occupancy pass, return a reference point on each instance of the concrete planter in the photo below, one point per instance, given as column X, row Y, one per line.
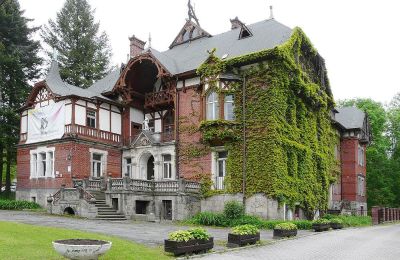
column 321, row 227
column 242, row 240
column 82, row 249
column 191, row 246
column 278, row 233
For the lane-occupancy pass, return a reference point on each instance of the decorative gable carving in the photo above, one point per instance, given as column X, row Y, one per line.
column 142, row 140
column 190, row 32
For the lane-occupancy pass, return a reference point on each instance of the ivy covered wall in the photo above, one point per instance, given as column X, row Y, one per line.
column 290, row 140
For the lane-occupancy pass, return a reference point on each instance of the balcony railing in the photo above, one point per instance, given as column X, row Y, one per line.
column 93, row 133
column 159, row 99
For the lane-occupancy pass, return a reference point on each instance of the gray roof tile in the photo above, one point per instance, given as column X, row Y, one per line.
column 350, row 117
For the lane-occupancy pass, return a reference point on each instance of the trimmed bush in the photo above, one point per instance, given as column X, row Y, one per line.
column 18, row 205
column 286, row 226
column 245, row 230
column 233, row 210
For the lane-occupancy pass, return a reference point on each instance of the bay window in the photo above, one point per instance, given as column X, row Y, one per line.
column 212, row 106
column 215, row 111
column 229, row 107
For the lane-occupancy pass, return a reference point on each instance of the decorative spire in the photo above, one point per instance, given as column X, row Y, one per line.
column 192, row 14
column 271, row 12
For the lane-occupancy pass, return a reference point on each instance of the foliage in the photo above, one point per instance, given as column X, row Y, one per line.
column 321, row 221
column 7, row 195
column 21, row 241
column 233, row 209
column 199, row 233
column 336, row 221
column 245, row 230
column 84, row 54
column 286, row 226
column 209, row 219
column 18, row 205
column 218, row 131
column 351, row 221
column 180, row 236
column 206, row 187
column 289, row 137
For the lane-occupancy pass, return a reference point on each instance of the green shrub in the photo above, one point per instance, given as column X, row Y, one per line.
column 336, row 221
column 180, row 236
column 286, row 226
column 245, row 230
column 210, row 219
column 199, row 233
column 302, row 224
column 321, row 221
column 18, row 205
column 233, row 210
column 7, row 195
column 247, row 219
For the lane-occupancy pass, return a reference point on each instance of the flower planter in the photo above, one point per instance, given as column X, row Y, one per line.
column 81, row 248
column 321, row 227
column 336, row 226
column 191, row 246
column 242, row 240
column 284, row 233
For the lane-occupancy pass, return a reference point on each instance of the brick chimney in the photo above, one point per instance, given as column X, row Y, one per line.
column 137, row 46
column 235, row 23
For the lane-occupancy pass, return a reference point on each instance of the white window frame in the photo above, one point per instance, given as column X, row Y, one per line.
column 91, row 117
column 167, row 164
column 212, row 101
column 35, row 162
column 103, row 162
column 217, row 180
column 229, row 103
column 360, row 155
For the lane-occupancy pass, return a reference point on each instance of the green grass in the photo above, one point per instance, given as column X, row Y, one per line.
column 21, row 241
column 18, row 205
column 352, row 221
column 7, row 195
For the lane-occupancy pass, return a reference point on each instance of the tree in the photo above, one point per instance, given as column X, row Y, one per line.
column 84, row 54
column 19, row 64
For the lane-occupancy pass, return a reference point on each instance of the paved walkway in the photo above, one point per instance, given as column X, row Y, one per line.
column 378, row 242
column 147, row 233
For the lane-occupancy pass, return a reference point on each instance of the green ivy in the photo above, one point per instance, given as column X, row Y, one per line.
column 290, row 139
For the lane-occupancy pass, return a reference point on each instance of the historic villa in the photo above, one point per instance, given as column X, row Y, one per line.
column 244, row 115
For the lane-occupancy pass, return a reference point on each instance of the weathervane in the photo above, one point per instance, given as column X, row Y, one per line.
column 192, row 14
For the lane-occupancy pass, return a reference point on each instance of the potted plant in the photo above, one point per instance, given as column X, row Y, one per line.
column 321, row 225
column 243, row 235
column 285, row 230
column 81, row 248
column 188, row 241
column 336, row 223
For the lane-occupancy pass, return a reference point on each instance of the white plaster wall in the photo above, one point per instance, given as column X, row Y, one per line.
column 91, row 105
column 136, row 115
column 80, row 115
column 68, row 114
column 24, row 124
column 157, row 126
column 115, row 123
column 81, row 102
column 104, row 120
column 192, row 81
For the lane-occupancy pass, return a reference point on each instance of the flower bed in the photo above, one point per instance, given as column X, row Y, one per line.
column 195, row 240
column 285, row 230
column 321, row 225
column 336, row 223
column 243, row 235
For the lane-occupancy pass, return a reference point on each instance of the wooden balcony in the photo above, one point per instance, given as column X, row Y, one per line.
column 92, row 133
column 159, row 100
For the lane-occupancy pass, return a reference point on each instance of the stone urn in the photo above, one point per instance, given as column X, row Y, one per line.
column 85, row 249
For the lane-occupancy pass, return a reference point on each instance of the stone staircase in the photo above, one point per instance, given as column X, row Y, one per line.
column 104, row 211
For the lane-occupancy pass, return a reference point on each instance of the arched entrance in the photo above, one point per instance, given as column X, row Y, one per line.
column 147, row 166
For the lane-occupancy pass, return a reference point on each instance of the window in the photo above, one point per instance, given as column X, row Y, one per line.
column 221, row 170
column 360, row 155
column 360, row 186
column 97, row 165
column 229, row 106
column 42, row 163
column 212, row 106
column 91, row 118
column 128, row 172
column 167, row 166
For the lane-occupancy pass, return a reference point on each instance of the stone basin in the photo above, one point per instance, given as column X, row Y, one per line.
column 81, row 249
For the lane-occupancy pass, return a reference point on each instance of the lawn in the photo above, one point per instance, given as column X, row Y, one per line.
column 21, row 241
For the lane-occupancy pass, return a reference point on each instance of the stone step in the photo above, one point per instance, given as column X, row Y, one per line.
column 110, row 216
column 112, row 219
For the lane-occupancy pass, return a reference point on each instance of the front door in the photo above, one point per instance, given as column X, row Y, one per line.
column 167, row 209
column 150, row 168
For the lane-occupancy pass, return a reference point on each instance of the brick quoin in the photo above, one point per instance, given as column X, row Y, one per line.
column 68, row 153
column 190, row 113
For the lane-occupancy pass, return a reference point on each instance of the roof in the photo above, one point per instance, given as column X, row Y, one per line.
column 350, row 117
column 189, row 56
column 59, row 87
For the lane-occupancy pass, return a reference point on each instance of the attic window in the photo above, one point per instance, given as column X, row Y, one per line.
column 244, row 32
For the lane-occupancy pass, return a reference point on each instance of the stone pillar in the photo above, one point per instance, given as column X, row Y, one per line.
column 375, row 215
column 386, row 214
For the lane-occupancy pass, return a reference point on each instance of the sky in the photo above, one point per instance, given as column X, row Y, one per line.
column 358, row 39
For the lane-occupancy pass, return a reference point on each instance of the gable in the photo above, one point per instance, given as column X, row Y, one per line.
column 189, row 32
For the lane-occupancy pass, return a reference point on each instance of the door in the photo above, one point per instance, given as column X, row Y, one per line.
column 167, row 209
column 150, row 168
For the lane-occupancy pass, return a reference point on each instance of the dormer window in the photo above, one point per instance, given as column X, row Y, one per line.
column 244, row 32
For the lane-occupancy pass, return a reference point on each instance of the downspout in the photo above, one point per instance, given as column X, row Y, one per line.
column 177, row 132
column 244, row 142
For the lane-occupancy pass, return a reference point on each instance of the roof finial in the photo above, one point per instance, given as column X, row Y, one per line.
column 55, row 54
column 192, row 14
column 149, row 40
column 271, row 12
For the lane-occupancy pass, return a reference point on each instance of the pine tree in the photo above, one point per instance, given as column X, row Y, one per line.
column 19, row 64
column 84, row 54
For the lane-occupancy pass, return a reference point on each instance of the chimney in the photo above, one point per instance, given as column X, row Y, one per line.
column 137, row 46
column 235, row 23
column 271, row 12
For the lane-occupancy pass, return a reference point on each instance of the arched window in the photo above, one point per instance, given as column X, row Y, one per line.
column 212, row 108
column 229, row 106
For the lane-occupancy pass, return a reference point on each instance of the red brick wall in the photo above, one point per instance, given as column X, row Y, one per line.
column 190, row 116
column 351, row 169
column 80, row 164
